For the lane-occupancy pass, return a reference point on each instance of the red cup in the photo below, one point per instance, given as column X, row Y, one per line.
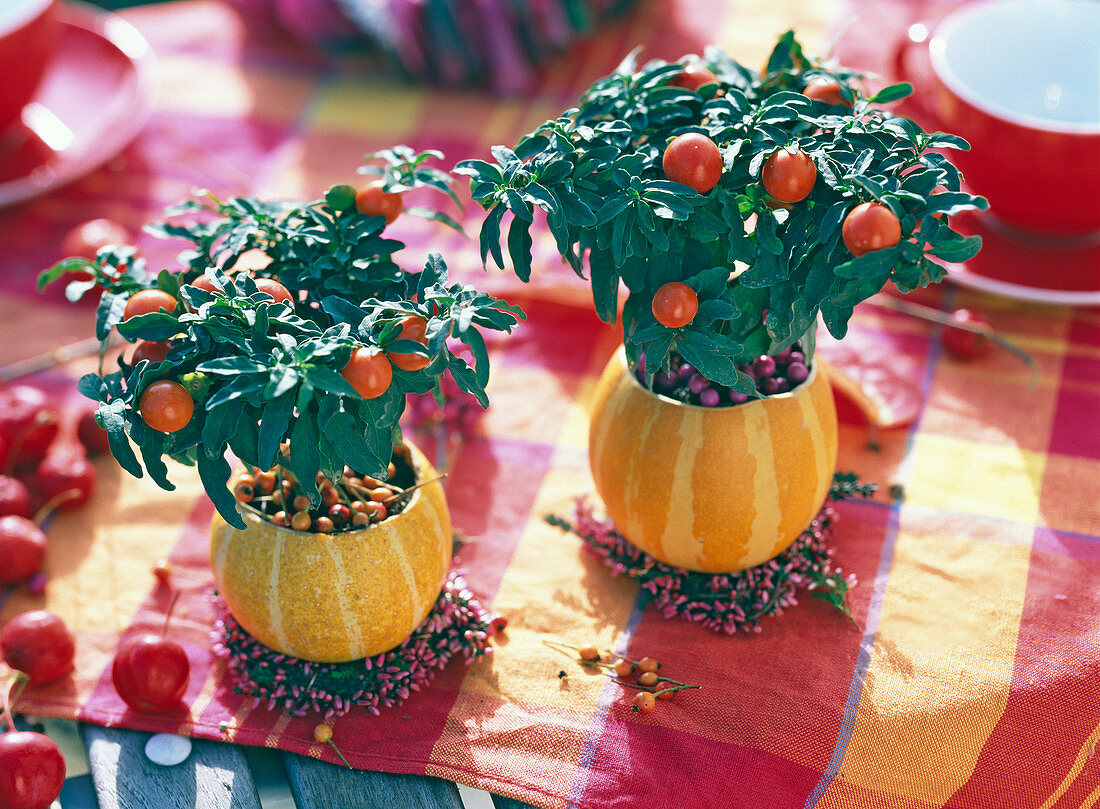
column 1020, row 80
column 28, row 33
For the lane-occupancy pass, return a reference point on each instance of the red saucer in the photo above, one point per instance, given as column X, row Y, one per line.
column 1029, row 267
column 95, row 97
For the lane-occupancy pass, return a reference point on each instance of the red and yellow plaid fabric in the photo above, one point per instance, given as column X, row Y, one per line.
column 974, row 680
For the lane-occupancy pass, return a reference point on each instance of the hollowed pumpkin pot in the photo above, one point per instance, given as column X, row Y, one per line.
column 711, row 489
column 331, row 598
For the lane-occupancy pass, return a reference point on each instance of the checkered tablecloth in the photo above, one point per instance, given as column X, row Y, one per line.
column 973, row 679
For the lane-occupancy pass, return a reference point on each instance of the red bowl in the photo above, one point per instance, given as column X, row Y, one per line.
column 28, row 33
column 1018, row 79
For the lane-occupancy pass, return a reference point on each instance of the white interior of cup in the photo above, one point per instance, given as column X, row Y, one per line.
column 1032, row 62
column 14, row 14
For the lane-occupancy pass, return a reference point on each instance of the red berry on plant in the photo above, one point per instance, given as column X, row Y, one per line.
column 369, row 372
column 339, row 514
column 692, row 77
column 148, row 350
column 966, row 344
column 826, row 90
column 371, row 200
column 870, row 226
column 694, row 160
column 276, row 290
column 166, row 406
column 38, row 644
column 22, row 549
column 675, row 304
column 148, row 301
column 150, row 673
column 789, row 175
column 32, row 770
column 412, row 328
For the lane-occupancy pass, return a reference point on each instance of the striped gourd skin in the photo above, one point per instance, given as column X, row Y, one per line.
column 711, row 489
column 331, row 598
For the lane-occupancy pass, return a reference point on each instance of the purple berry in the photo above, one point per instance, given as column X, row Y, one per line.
column 737, row 397
column 698, row 383
column 784, row 356
column 709, row 398
column 797, row 373
column 685, row 370
column 769, row 385
column 664, row 379
column 781, row 385
column 763, row 366
column 797, row 356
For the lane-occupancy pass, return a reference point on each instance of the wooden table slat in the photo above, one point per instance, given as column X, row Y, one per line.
column 214, row 776
column 320, row 785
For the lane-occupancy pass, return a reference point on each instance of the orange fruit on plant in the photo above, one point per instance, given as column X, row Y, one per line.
column 369, row 372
column 371, row 200
column 675, row 304
column 694, row 160
column 826, row 90
column 147, row 301
column 412, row 328
column 166, row 406
column 692, row 77
column 789, row 175
column 870, row 226
column 276, row 290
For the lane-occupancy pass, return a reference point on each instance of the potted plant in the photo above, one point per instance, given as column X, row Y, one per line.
column 291, row 337
column 735, row 207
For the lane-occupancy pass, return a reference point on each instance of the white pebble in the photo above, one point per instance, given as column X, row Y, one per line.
column 167, row 750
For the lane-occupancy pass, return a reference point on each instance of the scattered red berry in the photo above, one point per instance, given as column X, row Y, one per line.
column 589, row 653
column 38, row 644
column 66, row 470
column 15, row 498
column 22, row 549
column 28, row 424
column 150, row 673
column 648, row 664
column 966, row 344
column 32, row 770
column 644, row 702
column 623, row 668
column 91, row 435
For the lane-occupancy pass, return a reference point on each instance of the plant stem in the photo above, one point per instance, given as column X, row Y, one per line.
column 412, row 488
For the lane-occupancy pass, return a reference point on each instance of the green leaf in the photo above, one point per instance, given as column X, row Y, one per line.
column 519, row 248
column 219, row 425
column 214, row 474
column 113, row 418
column 605, row 286
column 894, row 92
column 869, row 265
column 274, row 422
column 490, row 236
column 960, row 249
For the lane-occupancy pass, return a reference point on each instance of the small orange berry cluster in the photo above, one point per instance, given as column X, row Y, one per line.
column 641, row 675
column 350, row 503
